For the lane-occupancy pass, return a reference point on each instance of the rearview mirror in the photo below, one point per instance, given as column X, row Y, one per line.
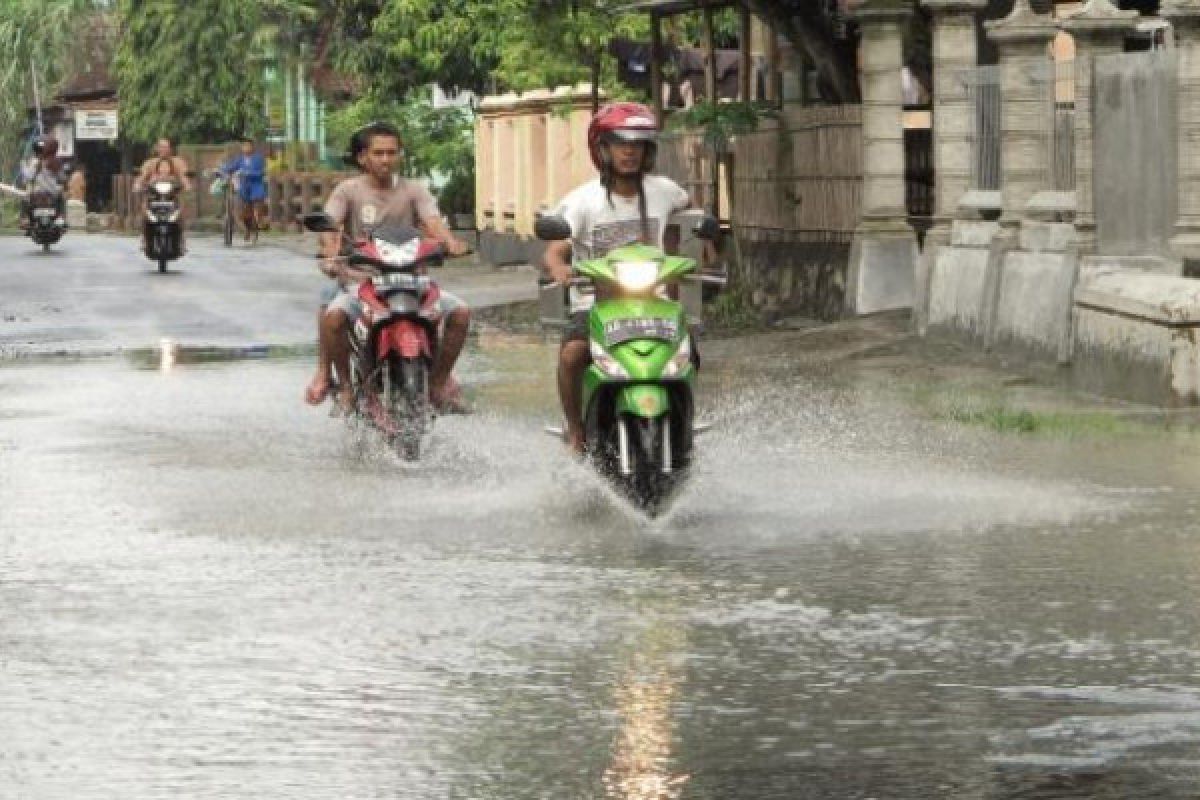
column 709, row 228
column 551, row 228
column 319, row 222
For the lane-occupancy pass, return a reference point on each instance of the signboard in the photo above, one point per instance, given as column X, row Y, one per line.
column 93, row 125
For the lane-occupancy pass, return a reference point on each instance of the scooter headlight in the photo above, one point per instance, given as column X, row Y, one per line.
column 680, row 361
column 637, row 276
column 607, row 364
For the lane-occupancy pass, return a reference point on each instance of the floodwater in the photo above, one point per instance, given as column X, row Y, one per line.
column 208, row 590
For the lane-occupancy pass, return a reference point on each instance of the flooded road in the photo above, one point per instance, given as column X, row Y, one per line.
column 208, row 590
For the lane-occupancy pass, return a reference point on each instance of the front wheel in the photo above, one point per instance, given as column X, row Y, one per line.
column 45, row 247
column 648, row 468
column 227, row 230
column 406, row 397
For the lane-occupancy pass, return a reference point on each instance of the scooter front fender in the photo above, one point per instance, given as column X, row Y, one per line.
column 643, row 400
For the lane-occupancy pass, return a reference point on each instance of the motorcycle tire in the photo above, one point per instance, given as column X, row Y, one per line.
column 45, row 247
column 227, row 229
column 647, row 487
column 409, row 404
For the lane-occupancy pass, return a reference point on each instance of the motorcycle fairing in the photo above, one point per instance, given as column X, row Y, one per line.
column 647, row 400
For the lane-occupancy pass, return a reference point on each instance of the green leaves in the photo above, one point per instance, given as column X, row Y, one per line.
column 190, row 70
column 43, row 35
column 721, row 121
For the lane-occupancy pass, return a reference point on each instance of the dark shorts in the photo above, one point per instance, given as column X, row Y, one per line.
column 577, row 327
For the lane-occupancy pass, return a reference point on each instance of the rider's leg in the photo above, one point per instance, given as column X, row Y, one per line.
column 335, row 329
column 454, row 336
column 573, row 359
column 322, row 379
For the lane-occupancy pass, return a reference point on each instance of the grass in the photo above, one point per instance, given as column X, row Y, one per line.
column 1007, row 420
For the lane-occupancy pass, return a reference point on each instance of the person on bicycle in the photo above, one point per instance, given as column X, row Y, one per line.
column 378, row 197
column 625, row 204
column 248, row 171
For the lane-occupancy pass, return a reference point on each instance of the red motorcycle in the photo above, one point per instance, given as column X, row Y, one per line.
column 394, row 340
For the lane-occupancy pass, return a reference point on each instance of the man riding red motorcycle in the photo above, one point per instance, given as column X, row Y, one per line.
column 357, row 206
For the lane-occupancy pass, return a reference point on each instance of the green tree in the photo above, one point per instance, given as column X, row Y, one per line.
column 186, row 69
column 487, row 45
column 38, row 37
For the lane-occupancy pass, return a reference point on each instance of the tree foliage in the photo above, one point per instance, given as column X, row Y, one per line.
column 188, row 71
column 37, row 35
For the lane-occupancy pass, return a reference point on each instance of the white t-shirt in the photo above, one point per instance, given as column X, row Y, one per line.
column 599, row 226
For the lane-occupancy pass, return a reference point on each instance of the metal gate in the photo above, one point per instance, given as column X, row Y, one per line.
column 1135, row 152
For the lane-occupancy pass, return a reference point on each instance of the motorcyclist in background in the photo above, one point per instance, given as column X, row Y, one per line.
column 44, row 174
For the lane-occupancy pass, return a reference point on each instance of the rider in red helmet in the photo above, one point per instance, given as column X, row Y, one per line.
column 625, row 204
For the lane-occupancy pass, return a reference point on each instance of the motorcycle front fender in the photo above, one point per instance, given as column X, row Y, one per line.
column 643, row 400
column 406, row 337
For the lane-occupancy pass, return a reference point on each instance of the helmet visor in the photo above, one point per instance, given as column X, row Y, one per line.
column 633, row 135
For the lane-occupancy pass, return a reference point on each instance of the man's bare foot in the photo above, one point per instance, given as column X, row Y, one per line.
column 448, row 399
column 317, row 391
column 575, row 443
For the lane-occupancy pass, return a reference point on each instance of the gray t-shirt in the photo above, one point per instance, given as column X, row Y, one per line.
column 359, row 207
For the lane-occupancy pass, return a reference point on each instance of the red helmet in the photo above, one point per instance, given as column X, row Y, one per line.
column 629, row 122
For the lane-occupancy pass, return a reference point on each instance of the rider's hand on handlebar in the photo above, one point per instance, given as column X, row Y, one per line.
column 456, row 247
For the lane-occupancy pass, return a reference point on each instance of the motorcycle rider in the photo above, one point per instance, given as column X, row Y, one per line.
column 624, row 205
column 376, row 197
column 44, row 174
column 164, row 151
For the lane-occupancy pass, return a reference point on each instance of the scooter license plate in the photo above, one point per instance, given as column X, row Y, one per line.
column 397, row 280
column 617, row 331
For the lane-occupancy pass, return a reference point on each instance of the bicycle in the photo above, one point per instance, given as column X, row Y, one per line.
column 226, row 185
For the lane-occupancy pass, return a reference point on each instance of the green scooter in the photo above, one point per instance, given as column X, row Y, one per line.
column 639, row 411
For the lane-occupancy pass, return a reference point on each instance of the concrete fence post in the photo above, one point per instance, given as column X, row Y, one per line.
column 1185, row 17
column 1023, row 39
column 1099, row 30
column 955, row 53
column 884, row 253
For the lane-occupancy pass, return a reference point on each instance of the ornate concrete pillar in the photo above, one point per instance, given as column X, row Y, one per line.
column 1185, row 17
column 955, row 52
column 1099, row 29
column 883, row 257
column 1023, row 39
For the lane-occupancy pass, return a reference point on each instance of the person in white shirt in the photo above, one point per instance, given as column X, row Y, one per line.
column 626, row 204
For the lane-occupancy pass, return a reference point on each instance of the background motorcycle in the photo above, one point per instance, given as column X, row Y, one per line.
column 638, row 391
column 394, row 341
column 46, row 221
column 163, row 229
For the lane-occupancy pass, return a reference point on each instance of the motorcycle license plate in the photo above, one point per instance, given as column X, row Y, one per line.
column 617, row 331
column 397, row 280
column 44, row 213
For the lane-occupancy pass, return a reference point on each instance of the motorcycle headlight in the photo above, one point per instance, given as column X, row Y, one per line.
column 680, row 361
column 607, row 364
column 637, row 276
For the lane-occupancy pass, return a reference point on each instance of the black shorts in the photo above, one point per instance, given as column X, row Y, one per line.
column 577, row 327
